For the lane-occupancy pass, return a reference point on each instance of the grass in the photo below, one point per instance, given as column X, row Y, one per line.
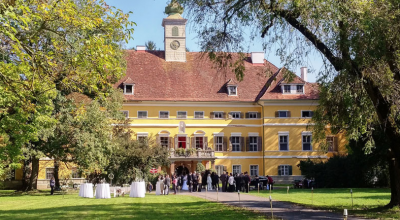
column 41, row 205
column 367, row 202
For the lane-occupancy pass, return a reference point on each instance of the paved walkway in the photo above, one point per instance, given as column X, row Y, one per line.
column 284, row 210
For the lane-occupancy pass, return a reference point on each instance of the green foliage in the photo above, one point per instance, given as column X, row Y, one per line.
column 190, row 151
column 180, row 151
column 55, row 46
column 150, row 45
column 131, row 160
column 200, row 168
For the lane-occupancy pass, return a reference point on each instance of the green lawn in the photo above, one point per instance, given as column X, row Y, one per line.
column 367, row 202
column 43, row 206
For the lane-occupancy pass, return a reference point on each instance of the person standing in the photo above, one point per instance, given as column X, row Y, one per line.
column 195, row 181
column 215, row 180
column 257, row 179
column 52, row 184
column 190, row 181
column 224, row 179
column 150, row 187
column 174, row 183
column 209, row 182
column 162, row 185
column 237, row 182
column 199, row 178
column 158, row 186
column 231, row 182
column 246, row 181
column 167, row 185
column 270, row 182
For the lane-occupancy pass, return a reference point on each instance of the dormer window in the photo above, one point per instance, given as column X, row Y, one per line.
column 232, row 90
column 128, row 89
column 299, row 89
column 286, row 89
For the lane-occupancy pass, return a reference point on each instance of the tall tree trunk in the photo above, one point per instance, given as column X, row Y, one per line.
column 26, row 174
column 56, row 175
column 34, row 173
column 394, row 173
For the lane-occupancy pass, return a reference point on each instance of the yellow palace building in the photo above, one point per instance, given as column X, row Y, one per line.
column 204, row 115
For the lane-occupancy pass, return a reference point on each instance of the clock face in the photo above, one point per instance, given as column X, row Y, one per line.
column 175, row 45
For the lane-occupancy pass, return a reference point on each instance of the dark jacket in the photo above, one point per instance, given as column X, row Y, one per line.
column 167, row 181
column 223, row 178
column 52, row 182
column 194, row 178
column 189, row 179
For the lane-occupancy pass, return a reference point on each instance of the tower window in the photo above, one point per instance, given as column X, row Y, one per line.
column 175, row 31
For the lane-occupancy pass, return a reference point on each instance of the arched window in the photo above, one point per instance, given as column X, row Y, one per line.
column 175, row 31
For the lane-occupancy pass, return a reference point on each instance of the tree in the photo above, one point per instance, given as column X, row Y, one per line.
column 55, row 47
column 150, row 45
column 358, row 41
column 132, row 160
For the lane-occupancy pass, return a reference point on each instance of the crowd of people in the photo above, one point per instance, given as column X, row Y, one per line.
column 195, row 182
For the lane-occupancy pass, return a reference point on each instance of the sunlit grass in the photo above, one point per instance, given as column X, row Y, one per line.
column 43, row 206
column 366, row 202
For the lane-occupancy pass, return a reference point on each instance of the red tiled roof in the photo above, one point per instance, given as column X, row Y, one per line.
column 128, row 81
column 197, row 79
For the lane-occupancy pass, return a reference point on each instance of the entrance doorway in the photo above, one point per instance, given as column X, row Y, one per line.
column 181, row 170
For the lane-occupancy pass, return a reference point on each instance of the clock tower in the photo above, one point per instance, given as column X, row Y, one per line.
column 174, row 33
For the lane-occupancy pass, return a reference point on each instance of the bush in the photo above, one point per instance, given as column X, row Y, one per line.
column 200, row 168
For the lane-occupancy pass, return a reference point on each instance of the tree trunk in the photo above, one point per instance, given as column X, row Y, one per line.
column 26, row 175
column 34, row 173
column 56, row 175
column 394, row 173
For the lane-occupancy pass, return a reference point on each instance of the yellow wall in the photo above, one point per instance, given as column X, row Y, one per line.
column 64, row 169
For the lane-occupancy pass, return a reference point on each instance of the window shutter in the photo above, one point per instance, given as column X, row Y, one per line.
column 241, row 143
column 158, row 141
column 311, row 113
column 176, row 142
column 279, row 171
column 224, row 115
column 241, row 115
column 225, row 168
column 229, row 115
column 258, row 115
column 259, row 143
column 247, row 115
column 169, row 142
column 230, row 144
column 288, row 114
column 335, row 143
column 211, row 114
column 225, row 144
column 193, row 142
column 290, row 170
column 214, row 143
column 276, row 114
column 205, row 143
column 247, row 143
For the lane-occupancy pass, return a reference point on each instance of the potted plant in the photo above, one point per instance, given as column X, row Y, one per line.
column 180, row 151
column 190, row 151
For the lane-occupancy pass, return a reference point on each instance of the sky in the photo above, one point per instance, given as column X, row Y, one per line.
column 148, row 15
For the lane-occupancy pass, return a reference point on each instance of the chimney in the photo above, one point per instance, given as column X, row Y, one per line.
column 303, row 71
column 141, row 49
column 257, row 58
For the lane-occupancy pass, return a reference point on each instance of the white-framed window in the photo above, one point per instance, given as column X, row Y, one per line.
column 299, row 88
column 142, row 136
column 164, row 114
column 232, row 90
column 128, row 89
column 75, row 173
column 198, row 114
column 236, row 169
column 253, row 170
column 234, row 115
column 199, row 142
column 164, row 141
column 252, row 114
column 284, row 142
column 142, row 114
column 49, row 172
column 126, row 113
column 219, row 143
column 283, row 114
column 219, row 169
column 218, row 115
column 253, row 142
column 330, row 140
column 181, row 114
column 286, row 89
column 307, row 142
column 235, row 141
column 307, row 114
column 284, row 170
